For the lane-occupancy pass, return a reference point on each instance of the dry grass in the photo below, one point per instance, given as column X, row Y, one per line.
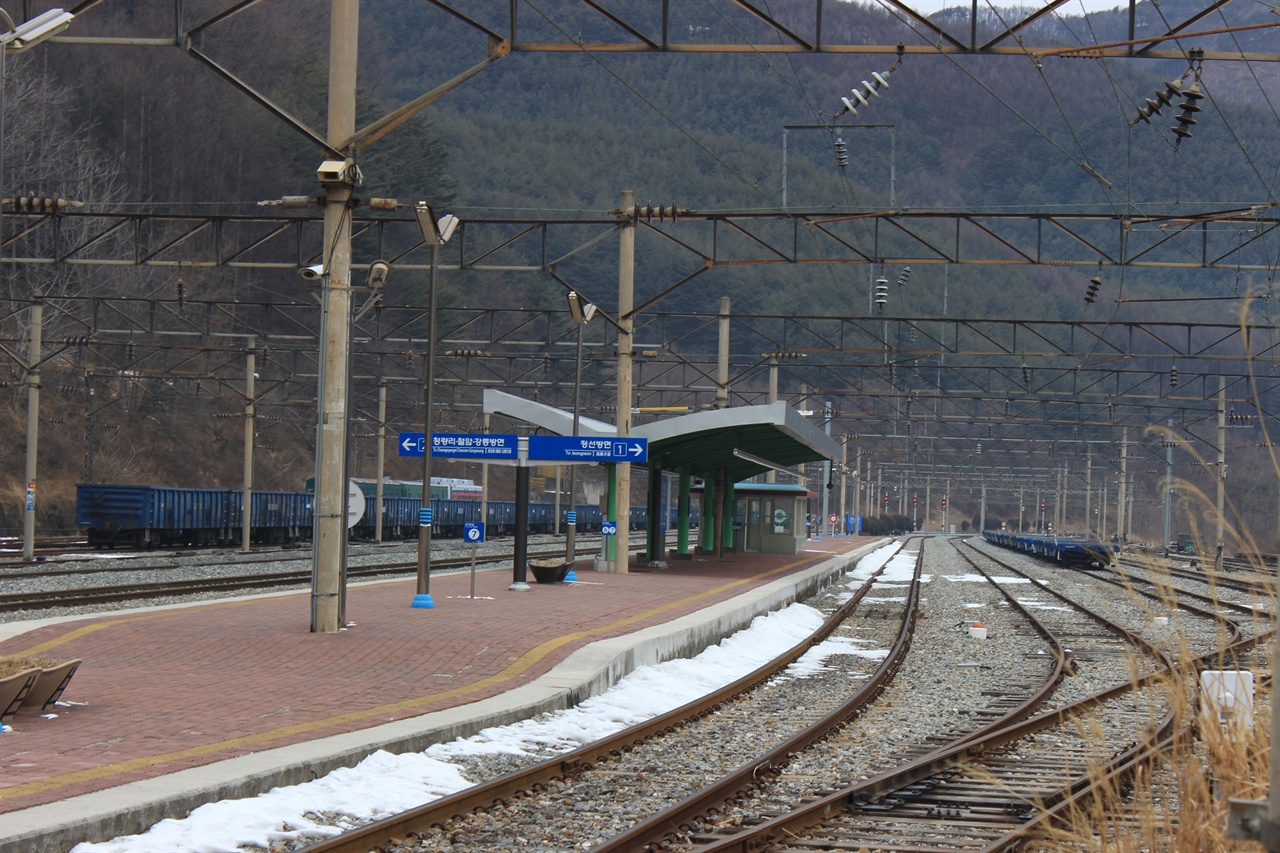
column 1179, row 803
column 12, row 666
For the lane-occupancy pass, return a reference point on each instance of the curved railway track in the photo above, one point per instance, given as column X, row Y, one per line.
column 988, row 793
column 746, row 796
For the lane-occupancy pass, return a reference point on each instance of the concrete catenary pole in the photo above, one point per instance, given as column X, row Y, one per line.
column 382, row 457
column 1220, row 519
column 34, row 356
column 1089, row 527
column 626, row 326
column 330, row 534
column 722, row 362
column 1122, row 532
column 771, row 476
column 246, row 502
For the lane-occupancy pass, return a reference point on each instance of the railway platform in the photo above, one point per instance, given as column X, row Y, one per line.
column 180, row 705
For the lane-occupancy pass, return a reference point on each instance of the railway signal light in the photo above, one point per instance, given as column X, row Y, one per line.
column 944, row 503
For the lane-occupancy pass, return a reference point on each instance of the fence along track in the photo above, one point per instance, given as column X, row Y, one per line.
column 538, row 779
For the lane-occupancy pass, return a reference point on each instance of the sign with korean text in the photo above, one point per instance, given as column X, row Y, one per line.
column 578, row 448
column 460, row 444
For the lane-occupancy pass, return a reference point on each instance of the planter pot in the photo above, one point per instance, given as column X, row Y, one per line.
column 49, row 686
column 13, row 690
column 549, row 571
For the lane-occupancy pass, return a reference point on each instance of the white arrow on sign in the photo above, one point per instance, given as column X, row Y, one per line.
column 408, row 444
column 636, row 450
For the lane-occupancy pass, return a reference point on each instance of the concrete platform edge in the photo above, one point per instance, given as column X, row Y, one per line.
column 132, row 808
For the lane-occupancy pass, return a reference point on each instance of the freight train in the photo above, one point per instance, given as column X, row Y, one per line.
column 1067, row 550
column 160, row 516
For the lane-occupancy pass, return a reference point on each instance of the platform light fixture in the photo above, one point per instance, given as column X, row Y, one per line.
column 31, row 32
column 435, row 232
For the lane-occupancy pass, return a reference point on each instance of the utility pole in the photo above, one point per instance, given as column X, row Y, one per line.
column 34, row 356
column 722, row 362
column 1168, row 489
column 246, row 510
column 1222, row 471
column 1122, row 531
column 626, row 325
column 329, row 570
column 382, row 457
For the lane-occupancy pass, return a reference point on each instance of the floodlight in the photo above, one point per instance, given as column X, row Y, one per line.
column 581, row 310
column 435, row 231
column 313, row 272
column 31, row 32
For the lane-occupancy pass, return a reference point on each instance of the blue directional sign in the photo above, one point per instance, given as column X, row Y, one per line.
column 608, row 528
column 473, row 531
column 460, row 444
column 412, row 443
column 577, row 448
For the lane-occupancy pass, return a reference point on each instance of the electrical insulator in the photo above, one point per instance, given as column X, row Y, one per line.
column 1163, row 98
column 868, row 89
column 1187, row 117
column 1092, row 295
column 32, row 203
column 842, row 154
column 1173, row 377
column 1026, row 375
column 979, row 450
column 882, row 293
column 903, row 276
column 663, row 212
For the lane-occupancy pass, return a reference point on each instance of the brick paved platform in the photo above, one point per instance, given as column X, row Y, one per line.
column 165, row 694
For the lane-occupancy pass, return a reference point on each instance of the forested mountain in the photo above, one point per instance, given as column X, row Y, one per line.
column 151, row 128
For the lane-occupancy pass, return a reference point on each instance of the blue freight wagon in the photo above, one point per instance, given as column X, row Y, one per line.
column 138, row 516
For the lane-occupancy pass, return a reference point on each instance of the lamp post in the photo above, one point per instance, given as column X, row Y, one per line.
column 582, row 312
column 16, row 40
column 436, row 233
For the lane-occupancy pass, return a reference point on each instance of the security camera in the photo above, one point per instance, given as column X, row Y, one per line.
column 378, row 272
column 312, row 273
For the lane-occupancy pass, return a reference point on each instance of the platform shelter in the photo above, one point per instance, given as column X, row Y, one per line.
column 719, row 446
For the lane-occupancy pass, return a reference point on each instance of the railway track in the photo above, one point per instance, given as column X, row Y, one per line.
column 797, row 767
column 988, row 793
column 110, row 594
column 983, row 782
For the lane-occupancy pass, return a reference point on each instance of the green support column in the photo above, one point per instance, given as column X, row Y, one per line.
column 708, row 515
column 682, row 536
column 729, row 515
